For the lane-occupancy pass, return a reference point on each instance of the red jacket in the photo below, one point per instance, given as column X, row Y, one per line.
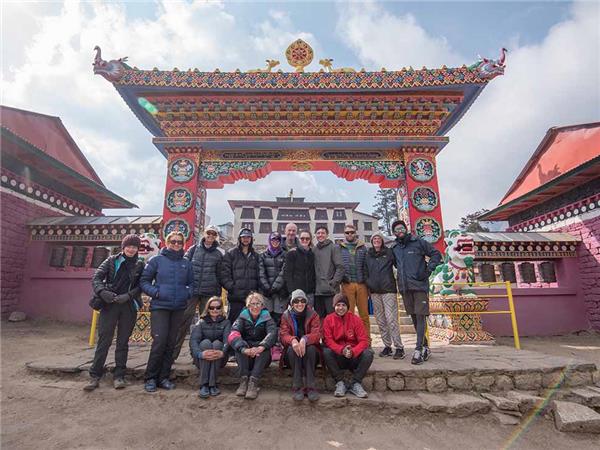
column 312, row 328
column 338, row 332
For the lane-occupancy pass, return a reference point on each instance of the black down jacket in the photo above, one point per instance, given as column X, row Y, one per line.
column 246, row 332
column 206, row 265
column 379, row 271
column 413, row 271
column 271, row 273
column 105, row 273
column 213, row 330
column 239, row 274
column 299, row 270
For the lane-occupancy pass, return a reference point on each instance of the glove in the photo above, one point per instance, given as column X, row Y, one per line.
column 107, row 296
column 123, row 298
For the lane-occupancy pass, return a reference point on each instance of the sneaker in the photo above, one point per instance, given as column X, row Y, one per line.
column 204, row 392
column 358, row 390
column 399, row 353
column 387, row 351
column 340, row 389
column 214, row 391
column 426, row 353
column 119, row 383
column 243, row 387
column 417, row 358
column 150, row 386
column 93, row 384
column 312, row 394
column 298, row 394
column 167, row 384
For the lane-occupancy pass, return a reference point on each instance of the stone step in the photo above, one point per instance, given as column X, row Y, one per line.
column 574, row 417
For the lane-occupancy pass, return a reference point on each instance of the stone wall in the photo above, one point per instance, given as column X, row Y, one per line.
column 15, row 214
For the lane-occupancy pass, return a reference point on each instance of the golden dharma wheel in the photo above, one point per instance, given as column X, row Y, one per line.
column 299, row 55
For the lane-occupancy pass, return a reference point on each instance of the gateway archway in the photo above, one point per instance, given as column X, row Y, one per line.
column 218, row 127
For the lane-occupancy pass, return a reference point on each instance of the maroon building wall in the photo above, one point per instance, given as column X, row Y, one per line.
column 15, row 214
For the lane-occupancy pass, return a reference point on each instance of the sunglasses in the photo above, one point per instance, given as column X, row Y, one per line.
column 400, row 230
column 215, row 308
column 298, row 300
column 304, row 239
column 349, row 232
column 176, row 242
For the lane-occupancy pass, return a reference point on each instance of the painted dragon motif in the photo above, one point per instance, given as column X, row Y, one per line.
column 456, row 268
column 112, row 70
column 490, row 68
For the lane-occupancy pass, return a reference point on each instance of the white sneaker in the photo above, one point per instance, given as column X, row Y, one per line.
column 358, row 390
column 340, row 389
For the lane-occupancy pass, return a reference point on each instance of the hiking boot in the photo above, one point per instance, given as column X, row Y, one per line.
column 94, row 383
column 119, row 383
column 167, row 384
column 417, row 358
column 399, row 353
column 253, row 389
column 150, row 386
column 312, row 394
column 387, row 351
column 214, row 391
column 241, row 390
column 358, row 390
column 426, row 353
column 204, row 392
column 340, row 389
column 298, row 394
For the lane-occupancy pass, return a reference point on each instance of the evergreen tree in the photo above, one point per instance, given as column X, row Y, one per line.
column 385, row 207
column 470, row 222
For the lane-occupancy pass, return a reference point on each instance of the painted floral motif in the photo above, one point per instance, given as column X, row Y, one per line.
column 179, row 200
column 213, row 170
column 392, row 170
column 182, row 170
column 429, row 229
column 424, row 199
column 402, row 203
column 177, row 225
column 421, row 169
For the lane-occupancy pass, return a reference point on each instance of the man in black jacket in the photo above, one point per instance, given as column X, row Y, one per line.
column 239, row 273
column 206, row 258
column 413, row 281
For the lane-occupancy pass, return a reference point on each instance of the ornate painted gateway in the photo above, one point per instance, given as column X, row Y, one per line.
column 386, row 127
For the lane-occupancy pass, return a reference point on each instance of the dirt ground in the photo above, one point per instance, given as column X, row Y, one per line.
column 49, row 413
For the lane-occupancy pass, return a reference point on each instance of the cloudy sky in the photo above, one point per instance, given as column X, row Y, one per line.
column 553, row 78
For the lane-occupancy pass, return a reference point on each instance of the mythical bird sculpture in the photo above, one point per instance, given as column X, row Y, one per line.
column 270, row 64
column 326, row 63
column 112, row 70
column 490, row 68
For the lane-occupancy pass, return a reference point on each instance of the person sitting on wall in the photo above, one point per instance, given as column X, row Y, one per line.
column 346, row 347
column 300, row 333
column 252, row 336
column 208, row 341
column 299, row 267
column 117, row 283
column 169, row 279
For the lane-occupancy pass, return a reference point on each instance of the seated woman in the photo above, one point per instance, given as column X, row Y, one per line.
column 300, row 333
column 208, row 342
column 252, row 336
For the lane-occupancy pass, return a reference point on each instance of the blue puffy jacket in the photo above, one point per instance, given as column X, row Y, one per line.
column 169, row 279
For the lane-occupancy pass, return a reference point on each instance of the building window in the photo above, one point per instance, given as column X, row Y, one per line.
column 99, row 255
column 368, row 238
column 303, row 227
column 281, row 227
column 265, row 227
column 355, row 223
column 293, row 214
column 368, row 226
column 78, row 256
column 249, row 225
column 547, row 271
column 321, row 214
column 487, row 272
column 339, row 214
column 527, row 272
column 508, row 272
column 247, row 213
column 58, row 256
column 338, row 228
column 265, row 213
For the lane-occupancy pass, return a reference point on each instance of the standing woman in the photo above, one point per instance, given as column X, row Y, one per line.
column 117, row 282
column 272, row 284
column 299, row 268
column 379, row 275
column 208, row 343
column 168, row 278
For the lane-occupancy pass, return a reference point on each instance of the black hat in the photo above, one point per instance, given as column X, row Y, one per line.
column 131, row 239
column 340, row 298
column 399, row 222
column 245, row 232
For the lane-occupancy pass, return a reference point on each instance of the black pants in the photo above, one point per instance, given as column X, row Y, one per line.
column 358, row 366
column 209, row 370
column 419, row 322
column 164, row 325
column 234, row 309
column 122, row 317
column 323, row 305
column 302, row 367
column 188, row 317
column 253, row 367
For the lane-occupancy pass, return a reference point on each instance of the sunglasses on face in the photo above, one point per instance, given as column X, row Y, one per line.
column 215, row 308
column 176, row 242
column 254, row 305
column 298, row 300
column 400, row 230
column 305, row 239
column 349, row 232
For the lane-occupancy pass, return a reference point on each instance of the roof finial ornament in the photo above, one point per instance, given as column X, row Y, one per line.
column 299, row 55
column 270, row 64
column 291, row 194
column 490, row 68
column 326, row 63
column 112, row 70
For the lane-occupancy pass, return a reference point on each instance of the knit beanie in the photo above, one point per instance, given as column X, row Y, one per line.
column 340, row 298
column 298, row 293
column 131, row 239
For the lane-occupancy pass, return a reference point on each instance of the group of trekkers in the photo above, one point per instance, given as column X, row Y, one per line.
column 294, row 302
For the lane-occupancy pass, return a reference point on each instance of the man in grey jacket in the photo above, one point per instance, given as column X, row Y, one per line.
column 329, row 271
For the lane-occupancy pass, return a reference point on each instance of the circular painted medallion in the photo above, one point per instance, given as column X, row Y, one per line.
column 299, row 54
column 176, row 225
column 182, row 170
column 179, row 200
column 424, row 199
column 428, row 228
column 421, row 169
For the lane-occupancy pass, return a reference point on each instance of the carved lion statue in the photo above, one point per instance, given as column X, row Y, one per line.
column 456, row 268
column 149, row 247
